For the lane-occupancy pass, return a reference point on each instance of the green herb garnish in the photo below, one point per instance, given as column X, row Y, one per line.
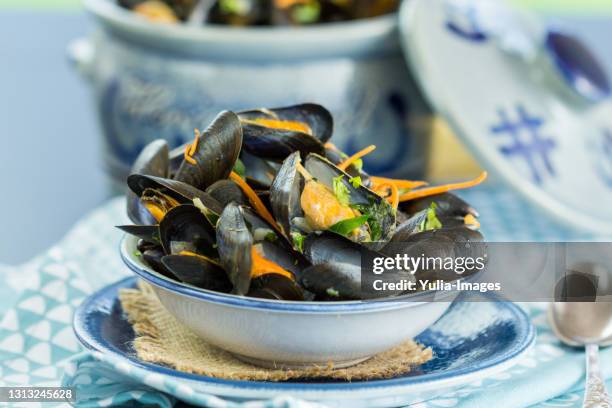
column 298, row 241
column 137, row 253
column 332, row 292
column 306, row 13
column 345, row 227
column 431, row 221
column 377, row 212
column 358, row 164
column 271, row 236
column 239, row 168
column 355, row 181
column 341, row 191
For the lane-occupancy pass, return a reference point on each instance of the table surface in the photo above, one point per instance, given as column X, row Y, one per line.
column 50, row 166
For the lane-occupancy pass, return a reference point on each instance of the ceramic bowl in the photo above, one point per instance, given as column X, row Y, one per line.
column 288, row 333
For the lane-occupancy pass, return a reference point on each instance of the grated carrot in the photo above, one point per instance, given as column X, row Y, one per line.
column 254, row 200
column 262, row 266
column 344, row 165
column 281, row 124
column 429, row 191
column 204, row 258
column 191, row 148
column 407, row 184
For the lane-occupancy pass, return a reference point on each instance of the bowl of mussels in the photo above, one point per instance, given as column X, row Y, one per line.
column 254, row 234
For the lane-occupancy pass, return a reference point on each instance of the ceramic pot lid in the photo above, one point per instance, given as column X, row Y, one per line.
column 531, row 103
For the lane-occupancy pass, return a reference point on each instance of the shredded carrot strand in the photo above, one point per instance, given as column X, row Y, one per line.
column 204, row 258
column 407, row 184
column 344, row 165
column 254, row 200
column 262, row 266
column 425, row 192
column 191, row 148
column 281, row 124
column 389, row 191
column 330, row 145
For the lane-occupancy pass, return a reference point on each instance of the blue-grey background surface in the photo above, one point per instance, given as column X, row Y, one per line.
column 50, row 168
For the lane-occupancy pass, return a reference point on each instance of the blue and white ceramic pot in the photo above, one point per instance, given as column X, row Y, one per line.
column 153, row 80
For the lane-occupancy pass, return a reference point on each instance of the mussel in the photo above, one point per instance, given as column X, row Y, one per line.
column 226, row 191
column 185, row 229
column 276, row 133
column 450, row 209
column 212, row 155
column 161, row 194
column 234, row 242
column 199, row 271
column 153, row 160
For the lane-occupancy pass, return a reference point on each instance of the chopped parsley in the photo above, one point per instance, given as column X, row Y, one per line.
column 341, row 191
column 355, row 181
column 332, row 292
column 431, row 221
column 239, row 168
column 345, row 227
column 298, row 241
column 137, row 253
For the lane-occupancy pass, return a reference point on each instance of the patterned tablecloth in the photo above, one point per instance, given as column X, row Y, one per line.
column 38, row 347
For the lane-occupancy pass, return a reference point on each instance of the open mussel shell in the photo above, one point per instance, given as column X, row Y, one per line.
column 333, row 281
column 226, row 191
column 198, row 271
column 285, row 193
column 440, row 244
column 360, row 197
column 216, row 152
column 153, row 160
column 181, row 192
column 148, row 233
column 259, row 228
column 267, row 136
column 153, row 257
column 185, row 228
column 326, row 247
column 275, row 286
column 234, row 242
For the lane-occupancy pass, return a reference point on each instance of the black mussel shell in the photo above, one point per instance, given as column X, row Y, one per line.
column 234, row 242
column 327, row 247
column 441, row 244
column 275, row 286
column 338, row 281
column 275, row 143
column 185, row 228
column 447, row 204
column 361, row 197
column 153, row 160
column 148, row 233
column 177, row 155
column 216, row 153
column 226, row 191
column 153, row 257
column 285, row 193
column 198, row 271
column 410, row 226
column 181, row 192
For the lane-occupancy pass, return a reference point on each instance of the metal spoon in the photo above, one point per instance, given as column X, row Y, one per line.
column 584, row 324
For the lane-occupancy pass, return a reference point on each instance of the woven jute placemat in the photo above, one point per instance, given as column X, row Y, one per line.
column 161, row 339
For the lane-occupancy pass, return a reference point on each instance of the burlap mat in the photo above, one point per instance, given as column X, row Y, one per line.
column 161, row 339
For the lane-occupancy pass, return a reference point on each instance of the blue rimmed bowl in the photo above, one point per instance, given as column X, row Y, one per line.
column 292, row 334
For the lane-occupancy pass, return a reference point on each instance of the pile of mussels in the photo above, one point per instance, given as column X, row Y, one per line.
column 261, row 204
column 258, row 12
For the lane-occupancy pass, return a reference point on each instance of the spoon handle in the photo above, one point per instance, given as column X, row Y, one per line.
column 595, row 395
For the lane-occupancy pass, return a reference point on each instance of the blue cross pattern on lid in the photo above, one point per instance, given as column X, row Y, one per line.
column 463, row 22
column 526, row 142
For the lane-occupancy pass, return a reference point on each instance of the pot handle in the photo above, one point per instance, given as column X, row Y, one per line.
column 81, row 55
